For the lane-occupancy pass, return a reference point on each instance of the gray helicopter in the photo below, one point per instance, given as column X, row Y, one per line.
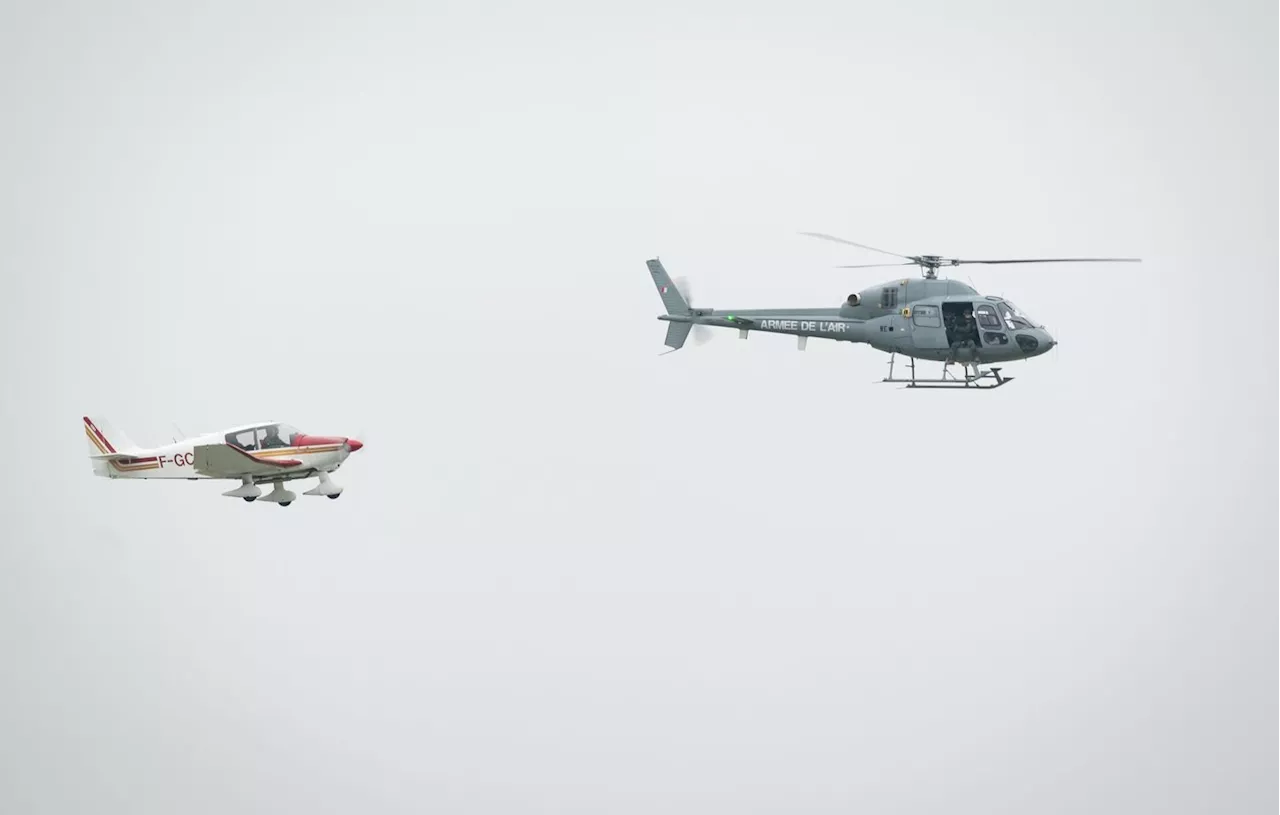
column 930, row 319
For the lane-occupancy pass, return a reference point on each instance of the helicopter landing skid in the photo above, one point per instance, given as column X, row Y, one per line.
column 972, row 381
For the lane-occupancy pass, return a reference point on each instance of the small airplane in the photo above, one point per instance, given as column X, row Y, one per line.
column 943, row 320
column 254, row 454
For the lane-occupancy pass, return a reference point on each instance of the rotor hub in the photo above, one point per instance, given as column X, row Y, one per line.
column 929, row 265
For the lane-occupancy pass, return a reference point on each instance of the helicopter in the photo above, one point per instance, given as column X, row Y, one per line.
column 931, row 319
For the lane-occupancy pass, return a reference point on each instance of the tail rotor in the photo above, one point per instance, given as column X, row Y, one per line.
column 701, row 334
column 680, row 316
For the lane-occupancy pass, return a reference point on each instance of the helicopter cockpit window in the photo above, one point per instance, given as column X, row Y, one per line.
column 987, row 317
column 926, row 317
column 1014, row 317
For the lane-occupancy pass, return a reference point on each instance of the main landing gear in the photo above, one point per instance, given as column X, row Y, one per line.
column 247, row 490
column 279, row 495
column 250, row 491
column 972, row 381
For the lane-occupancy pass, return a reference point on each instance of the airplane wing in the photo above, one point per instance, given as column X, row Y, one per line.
column 226, row 461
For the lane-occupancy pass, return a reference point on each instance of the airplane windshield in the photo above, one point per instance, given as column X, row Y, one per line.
column 1015, row 317
column 277, row 435
column 265, row 437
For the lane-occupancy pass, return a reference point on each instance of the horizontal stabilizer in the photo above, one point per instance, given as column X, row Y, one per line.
column 226, row 461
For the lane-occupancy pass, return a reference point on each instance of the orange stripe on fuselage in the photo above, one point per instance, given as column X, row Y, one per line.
column 296, row 451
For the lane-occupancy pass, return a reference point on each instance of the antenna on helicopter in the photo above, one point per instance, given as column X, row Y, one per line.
column 929, row 264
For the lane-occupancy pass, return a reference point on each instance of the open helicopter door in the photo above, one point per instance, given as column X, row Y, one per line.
column 925, row 325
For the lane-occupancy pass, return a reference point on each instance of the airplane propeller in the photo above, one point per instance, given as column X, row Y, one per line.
column 701, row 334
column 931, row 263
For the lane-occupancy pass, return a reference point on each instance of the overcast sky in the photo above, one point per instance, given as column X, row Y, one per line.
column 569, row 575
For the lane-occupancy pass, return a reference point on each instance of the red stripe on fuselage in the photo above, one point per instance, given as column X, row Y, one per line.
column 303, row 440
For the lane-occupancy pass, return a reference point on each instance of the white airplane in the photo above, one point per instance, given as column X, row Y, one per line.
column 266, row 453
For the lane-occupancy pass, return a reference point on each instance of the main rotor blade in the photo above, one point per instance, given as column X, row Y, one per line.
column 876, row 265
column 954, row 262
column 851, row 243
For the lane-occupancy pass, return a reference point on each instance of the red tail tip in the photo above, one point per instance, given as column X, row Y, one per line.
column 354, row 445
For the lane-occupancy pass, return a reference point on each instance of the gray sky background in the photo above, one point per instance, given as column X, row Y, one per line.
column 569, row 575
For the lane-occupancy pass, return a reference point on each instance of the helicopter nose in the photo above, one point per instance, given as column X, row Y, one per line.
column 354, row 444
column 1047, row 341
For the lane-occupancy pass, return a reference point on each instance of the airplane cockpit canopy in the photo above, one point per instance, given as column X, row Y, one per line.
column 264, row 437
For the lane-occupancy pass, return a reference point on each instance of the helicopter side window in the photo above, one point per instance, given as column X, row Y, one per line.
column 926, row 317
column 987, row 317
column 889, row 297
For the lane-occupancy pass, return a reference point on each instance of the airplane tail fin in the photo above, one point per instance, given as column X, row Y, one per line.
column 672, row 298
column 105, row 442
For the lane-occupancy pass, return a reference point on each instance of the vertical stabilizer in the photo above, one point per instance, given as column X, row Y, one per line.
column 672, row 299
column 104, row 439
